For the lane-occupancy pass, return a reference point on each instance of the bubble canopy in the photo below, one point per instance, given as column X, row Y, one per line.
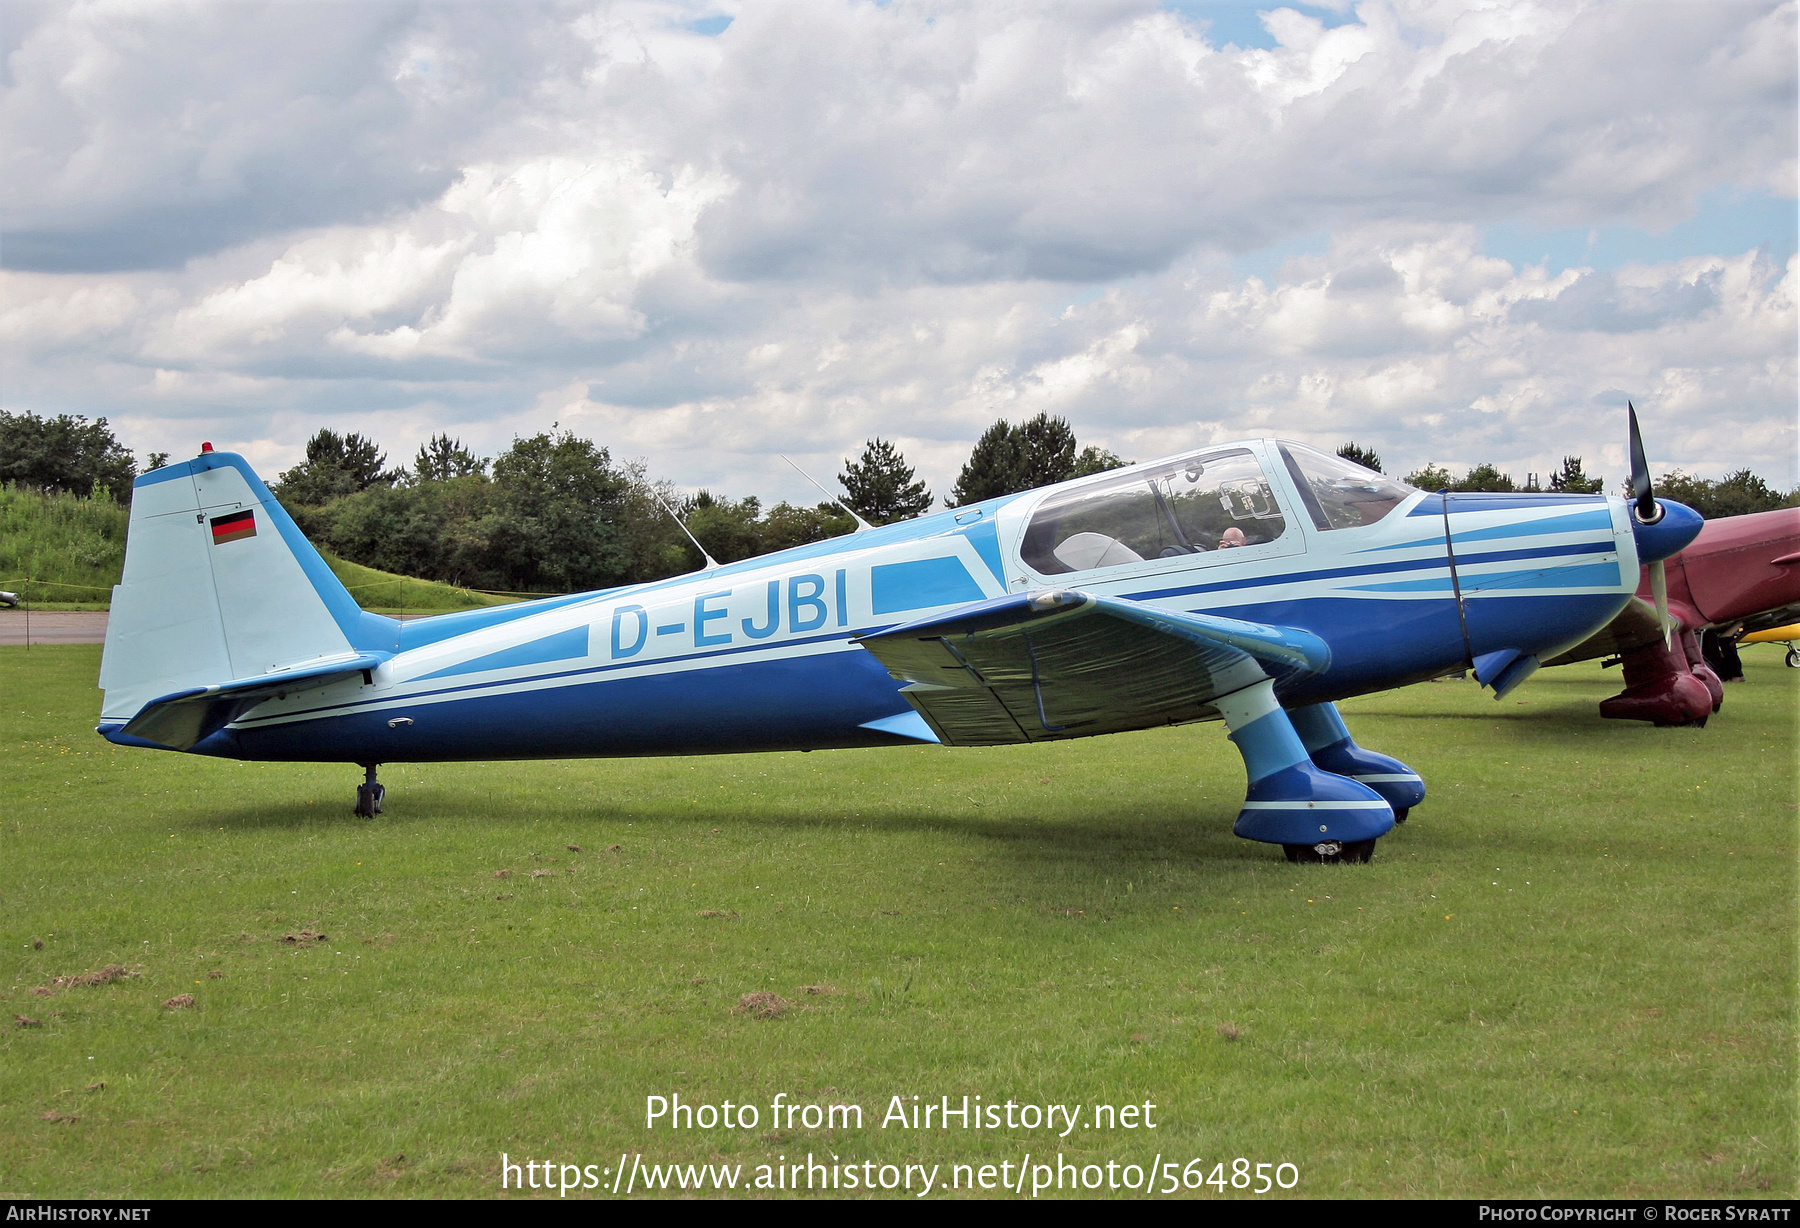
column 1339, row 493
column 1210, row 501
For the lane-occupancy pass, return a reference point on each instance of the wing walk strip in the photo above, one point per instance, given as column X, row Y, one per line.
column 569, row 677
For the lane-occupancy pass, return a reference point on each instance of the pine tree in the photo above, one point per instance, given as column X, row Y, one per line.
column 442, row 458
column 1046, row 451
column 1040, row 451
column 1573, row 480
column 881, row 485
column 993, row 467
column 1368, row 458
column 336, row 465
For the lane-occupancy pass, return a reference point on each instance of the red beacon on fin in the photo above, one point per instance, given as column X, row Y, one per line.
column 205, row 448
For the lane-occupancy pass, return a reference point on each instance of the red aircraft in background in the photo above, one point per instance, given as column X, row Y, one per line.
column 1740, row 572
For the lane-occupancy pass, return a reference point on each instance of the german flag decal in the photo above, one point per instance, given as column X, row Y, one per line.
column 233, row 527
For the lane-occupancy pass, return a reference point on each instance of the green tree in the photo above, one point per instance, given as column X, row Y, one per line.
column 1484, row 477
column 335, row 466
column 1736, row 494
column 441, row 458
column 557, row 516
column 729, row 529
column 881, row 485
column 1431, row 477
column 64, row 453
column 1368, row 458
column 1046, row 451
column 992, row 469
column 1573, row 479
column 786, row 525
column 1038, row 452
column 1096, row 459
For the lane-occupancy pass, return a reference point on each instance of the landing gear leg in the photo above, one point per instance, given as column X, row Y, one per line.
column 1327, row 740
column 369, row 794
column 1316, row 815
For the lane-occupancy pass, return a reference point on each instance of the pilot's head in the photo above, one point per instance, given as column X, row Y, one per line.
column 1233, row 536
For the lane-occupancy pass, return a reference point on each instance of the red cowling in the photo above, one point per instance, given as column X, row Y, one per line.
column 1738, row 566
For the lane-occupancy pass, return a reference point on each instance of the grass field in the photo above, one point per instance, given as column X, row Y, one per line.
column 1572, row 973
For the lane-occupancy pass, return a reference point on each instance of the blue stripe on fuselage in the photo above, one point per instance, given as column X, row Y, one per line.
column 1599, row 518
column 1588, row 575
column 1493, row 501
column 1375, row 568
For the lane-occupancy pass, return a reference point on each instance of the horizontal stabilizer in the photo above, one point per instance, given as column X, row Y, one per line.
column 1065, row 664
column 180, row 720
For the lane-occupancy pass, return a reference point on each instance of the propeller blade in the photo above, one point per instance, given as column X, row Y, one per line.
column 1659, row 589
column 1647, row 510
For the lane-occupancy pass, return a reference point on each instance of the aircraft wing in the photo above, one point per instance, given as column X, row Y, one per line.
column 1067, row 664
column 180, row 720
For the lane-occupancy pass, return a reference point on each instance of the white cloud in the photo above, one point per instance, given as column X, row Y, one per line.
column 840, row 220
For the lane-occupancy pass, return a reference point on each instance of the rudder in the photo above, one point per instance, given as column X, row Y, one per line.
column 220, row 585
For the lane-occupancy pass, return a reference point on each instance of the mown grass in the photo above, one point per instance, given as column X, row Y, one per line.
column 1572, row 973
column 60, row 552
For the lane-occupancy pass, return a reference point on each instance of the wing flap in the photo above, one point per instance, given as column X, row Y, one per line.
column 1065, row 664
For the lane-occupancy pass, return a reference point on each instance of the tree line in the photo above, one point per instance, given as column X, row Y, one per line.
column 558, row 513
column 555, row 512
column 1736, row 494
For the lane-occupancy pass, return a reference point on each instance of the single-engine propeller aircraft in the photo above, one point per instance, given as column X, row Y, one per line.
column 1255, row 582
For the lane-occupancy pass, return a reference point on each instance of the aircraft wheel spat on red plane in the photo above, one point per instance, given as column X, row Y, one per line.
column 1255, row 583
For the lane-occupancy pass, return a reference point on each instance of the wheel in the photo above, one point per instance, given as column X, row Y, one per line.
column 1330, row 852
column 1793, row 657
column 368, row 800
column 1401, row 812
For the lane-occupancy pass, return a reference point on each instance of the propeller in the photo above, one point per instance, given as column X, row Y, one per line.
column 1648, row 511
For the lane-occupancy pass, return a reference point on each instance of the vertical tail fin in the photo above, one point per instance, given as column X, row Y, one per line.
column 220, row 585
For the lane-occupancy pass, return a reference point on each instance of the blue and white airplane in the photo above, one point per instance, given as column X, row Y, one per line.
column 1255, row 582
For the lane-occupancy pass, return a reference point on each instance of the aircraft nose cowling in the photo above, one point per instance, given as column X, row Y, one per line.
column 1678, row 525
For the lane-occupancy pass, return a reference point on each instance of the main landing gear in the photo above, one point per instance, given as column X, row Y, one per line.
column 1313, row 790
column 369, row 794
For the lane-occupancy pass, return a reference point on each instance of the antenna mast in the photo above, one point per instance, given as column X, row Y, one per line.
column 711, row 563
column 861, row 524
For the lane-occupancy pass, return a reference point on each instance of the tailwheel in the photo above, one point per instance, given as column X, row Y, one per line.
column 1330, row 852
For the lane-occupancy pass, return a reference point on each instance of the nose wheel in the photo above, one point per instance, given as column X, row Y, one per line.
column 369, row 794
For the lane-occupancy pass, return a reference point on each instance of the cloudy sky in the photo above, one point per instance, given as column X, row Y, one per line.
column 707, row 234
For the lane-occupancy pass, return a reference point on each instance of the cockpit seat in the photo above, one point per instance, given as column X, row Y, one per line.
column 1084, row 551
